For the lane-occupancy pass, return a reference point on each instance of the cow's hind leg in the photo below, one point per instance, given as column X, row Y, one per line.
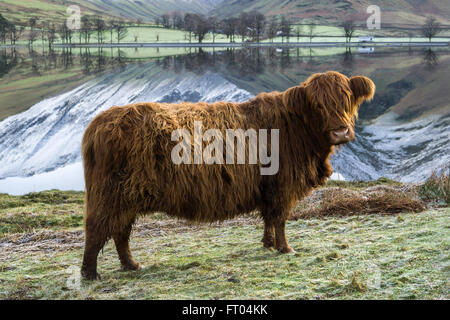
column 95, row 239
column 122, row 241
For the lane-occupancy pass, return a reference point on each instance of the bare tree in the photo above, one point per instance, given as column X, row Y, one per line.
column 63, row 33
column 298, row 31
column 430, row 58
column 349, row 29
column 9, row 30
column 201, row 27
column 431, row 28
column 165, row 20
column 14, row 33
column 229, row 27
column 86, row 28
column 189, row 24
column 32, row 35
column 111, row 26
column 311, row 31
column 121, row 31
column 43, row 33
column 285, row 27
column 213, row 24
column 4, row 25
column 410, row 35
column 272, row 29
column 99, row 27
column 177, row 20
column 51, row 35
column 257, row 24
column 243, row 27
column 69, row 35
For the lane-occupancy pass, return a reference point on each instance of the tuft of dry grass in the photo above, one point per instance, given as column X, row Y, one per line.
column 337, row 201
column 437, row 187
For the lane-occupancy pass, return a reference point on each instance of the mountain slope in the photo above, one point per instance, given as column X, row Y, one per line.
column 401, row 12
column 332, row 11
column 146, row 9
column 48, row 135
column 51, row 10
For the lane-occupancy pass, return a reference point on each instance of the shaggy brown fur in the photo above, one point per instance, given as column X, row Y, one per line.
column 129, row 171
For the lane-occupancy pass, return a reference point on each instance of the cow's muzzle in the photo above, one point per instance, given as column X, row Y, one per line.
column 341, row 135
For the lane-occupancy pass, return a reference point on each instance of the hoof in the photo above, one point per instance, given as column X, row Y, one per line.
column 268, row 245
column 286, row 250
column 90, row 275
column 132, row 266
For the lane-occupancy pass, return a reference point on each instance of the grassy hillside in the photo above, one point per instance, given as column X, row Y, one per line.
column 357, row 256
column 19, row 11
column 403, row 12
column 150, row 9
column 407, row 13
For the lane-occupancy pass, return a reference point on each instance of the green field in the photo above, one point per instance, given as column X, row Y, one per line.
column 357, row 256
column 150, row 34
column 154, row 34
column 321, row 34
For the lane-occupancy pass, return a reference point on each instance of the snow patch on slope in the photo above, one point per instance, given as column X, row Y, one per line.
column 48, row 135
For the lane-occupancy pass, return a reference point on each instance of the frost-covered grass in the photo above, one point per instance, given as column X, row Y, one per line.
column 402, row 256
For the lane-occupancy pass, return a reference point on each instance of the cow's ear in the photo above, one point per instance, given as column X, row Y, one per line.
column 362, row 87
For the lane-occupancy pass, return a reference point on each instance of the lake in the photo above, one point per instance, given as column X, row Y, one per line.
column 48, row 99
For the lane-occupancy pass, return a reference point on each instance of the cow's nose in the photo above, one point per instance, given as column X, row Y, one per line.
column 340, row 136
column 341, row 133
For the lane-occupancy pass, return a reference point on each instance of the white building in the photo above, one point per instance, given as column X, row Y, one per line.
column 366, row 50
column 366, row 39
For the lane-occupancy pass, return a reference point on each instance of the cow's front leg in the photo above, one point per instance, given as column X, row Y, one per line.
column 268, row 239
column 281, row 243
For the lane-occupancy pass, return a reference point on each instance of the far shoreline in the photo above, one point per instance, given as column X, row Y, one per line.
column 245, row 45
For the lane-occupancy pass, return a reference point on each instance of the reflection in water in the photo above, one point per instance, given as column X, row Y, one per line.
column 347, row 59
column 92, row 61
column 8, row 60
column 430, row 58
column 44, row 141
column 198, row 60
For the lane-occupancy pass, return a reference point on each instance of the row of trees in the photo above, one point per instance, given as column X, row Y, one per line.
column 248, row 26
column 91, row 27
column 253, row 26
column 9, row 31
column 429, row 29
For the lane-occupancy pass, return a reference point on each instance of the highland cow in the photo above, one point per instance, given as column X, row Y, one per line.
column 129, row 172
